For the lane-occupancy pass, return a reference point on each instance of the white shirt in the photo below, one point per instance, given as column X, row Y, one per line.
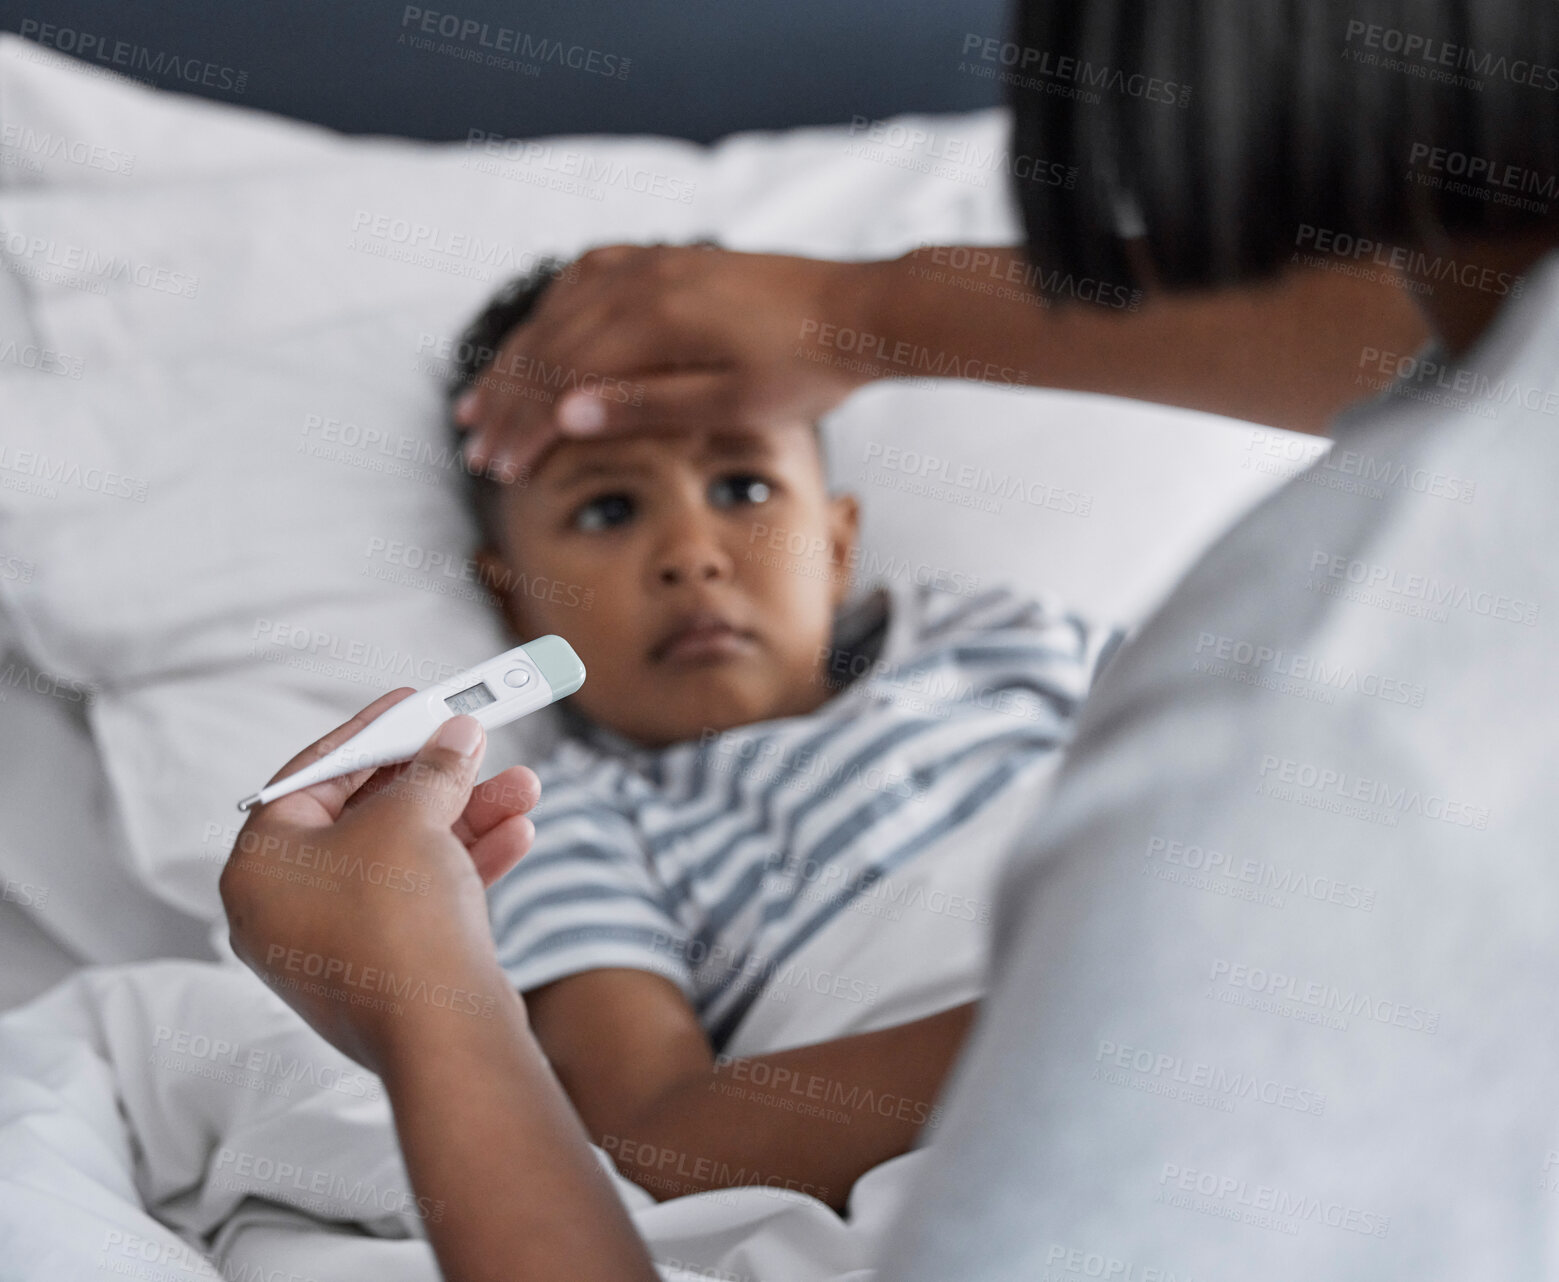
column 1276, row 987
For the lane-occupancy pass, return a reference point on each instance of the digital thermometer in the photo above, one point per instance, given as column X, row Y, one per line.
column 519, row 681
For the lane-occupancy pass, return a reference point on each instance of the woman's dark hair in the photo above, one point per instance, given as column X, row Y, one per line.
column 1233, row 135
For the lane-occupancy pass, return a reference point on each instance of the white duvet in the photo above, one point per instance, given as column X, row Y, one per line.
column 175, row 1119
column 148, row 1109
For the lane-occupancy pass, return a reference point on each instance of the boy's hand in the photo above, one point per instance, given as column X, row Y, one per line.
column 359, row 900
column 669, row 338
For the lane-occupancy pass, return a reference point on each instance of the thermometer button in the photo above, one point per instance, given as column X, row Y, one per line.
column 517, row 677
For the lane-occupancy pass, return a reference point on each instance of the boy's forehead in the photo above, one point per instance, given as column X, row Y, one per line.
column 569, row 459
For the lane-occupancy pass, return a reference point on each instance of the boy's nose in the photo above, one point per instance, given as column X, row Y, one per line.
column 692, row 560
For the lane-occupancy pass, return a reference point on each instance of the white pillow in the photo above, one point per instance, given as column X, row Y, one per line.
column 69, row 888
column 1104, row 501
column 161, row 269
column 65, row 122
column 197, row 246
column 221, row 548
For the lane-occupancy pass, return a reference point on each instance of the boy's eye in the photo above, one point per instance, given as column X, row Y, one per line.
column 604, row 512
column 729, row 491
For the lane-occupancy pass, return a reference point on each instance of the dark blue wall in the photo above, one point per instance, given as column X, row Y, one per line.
column 695, row 68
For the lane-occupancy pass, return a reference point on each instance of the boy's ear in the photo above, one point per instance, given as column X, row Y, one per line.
column 493, row 573
column 844, row 526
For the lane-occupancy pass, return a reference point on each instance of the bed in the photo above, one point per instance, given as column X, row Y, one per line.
column 230, row 512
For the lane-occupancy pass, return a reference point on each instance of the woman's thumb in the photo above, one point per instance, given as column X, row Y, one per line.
column 436, row 784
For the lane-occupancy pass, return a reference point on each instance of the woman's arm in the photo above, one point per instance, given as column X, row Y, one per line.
column 634, row 1060
column 409, row 985
column 498, row 1156
column 696, row 337
column 1285, row 353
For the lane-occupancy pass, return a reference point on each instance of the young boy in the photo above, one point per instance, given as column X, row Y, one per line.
column 745, row 762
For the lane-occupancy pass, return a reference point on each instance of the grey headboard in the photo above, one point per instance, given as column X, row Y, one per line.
column 686, row 68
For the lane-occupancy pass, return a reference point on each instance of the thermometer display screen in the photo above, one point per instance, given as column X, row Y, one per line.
column 470, row 699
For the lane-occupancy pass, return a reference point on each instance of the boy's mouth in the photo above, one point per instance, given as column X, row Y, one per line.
column 704, row 637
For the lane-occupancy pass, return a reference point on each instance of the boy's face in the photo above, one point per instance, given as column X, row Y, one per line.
column 716, row 561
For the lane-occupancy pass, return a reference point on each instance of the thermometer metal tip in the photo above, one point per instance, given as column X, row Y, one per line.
column 253, row 799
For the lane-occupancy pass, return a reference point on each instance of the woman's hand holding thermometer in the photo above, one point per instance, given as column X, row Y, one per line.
column 503, row 689
column 395, row 944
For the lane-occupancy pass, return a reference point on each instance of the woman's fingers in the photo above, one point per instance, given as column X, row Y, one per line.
column 325, row 801
column 330, row 742
column 607, row 325
column 661, row 309
column 504, row 398
column 691, row 401
column 681, row 382
column 605, row 256
column 501, row 847
column 511, row 792
column 541, row 360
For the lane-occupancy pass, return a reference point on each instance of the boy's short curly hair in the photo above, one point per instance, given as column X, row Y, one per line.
column 476, row 349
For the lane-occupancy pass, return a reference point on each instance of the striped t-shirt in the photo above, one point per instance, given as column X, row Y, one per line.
column 712, row 862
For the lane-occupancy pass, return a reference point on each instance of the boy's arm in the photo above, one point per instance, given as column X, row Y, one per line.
column 634, row 1060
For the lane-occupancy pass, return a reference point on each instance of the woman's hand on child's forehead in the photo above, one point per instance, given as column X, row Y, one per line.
column 647, row 338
